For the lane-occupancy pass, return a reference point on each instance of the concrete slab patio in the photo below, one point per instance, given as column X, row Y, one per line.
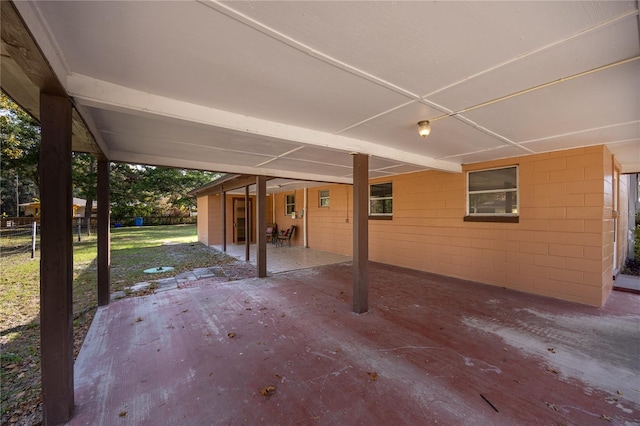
column 284, row 258
column 288, row 350
column 630, row 283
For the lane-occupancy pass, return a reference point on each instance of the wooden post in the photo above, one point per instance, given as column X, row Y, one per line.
column 56, row 260
column 305, row 222
column 360, row 233
column 104, row 235
column 223, row 204
column 261, row 226
column 247, row 224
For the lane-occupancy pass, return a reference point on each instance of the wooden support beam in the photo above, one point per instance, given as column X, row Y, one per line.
column 104, row 235
column 56, row 261
column 247, row 224
column 261, row 226
column 360, row 233
column 223, row 204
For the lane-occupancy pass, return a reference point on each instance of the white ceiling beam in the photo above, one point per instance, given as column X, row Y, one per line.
column 102, row 94
column 156, row 160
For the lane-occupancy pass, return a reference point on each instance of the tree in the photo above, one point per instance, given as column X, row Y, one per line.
column 83, row 172
column 135, row 190
column 146, row 190
column 19, row 154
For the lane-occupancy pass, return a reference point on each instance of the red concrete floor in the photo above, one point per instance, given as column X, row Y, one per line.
column 427, row 352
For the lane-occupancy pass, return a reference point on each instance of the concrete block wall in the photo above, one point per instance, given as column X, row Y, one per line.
column 210, row 217
column 331, row 227
column 562, row 246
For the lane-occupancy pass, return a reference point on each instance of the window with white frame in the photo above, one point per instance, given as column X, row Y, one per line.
column 493, row 192
column 323, row 198
column 381, row 199
column 289, row 204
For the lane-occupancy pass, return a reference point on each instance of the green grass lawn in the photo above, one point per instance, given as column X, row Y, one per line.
column 132, row 251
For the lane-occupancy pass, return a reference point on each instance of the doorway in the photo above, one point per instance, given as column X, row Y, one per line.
column 240, row 211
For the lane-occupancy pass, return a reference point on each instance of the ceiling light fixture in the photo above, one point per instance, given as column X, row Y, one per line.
column 424, row 128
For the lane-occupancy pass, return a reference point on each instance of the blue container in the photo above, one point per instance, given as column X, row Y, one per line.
column 138, row 221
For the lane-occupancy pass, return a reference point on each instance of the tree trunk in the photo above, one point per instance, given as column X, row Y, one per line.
column 88, row 208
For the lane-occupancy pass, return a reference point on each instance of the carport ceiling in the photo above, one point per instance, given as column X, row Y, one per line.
column 289, row 89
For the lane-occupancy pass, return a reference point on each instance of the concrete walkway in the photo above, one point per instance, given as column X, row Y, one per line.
column 630, row 283
column 281, row 259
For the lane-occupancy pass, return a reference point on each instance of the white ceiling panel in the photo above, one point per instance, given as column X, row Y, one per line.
column 326, row 156
column 379, row 163
column 448, row 136
column 590, row 50
column 168, row 130
column 622, row 132
column 630, row 152
column 422, row 41
column 190, row 52
column 309, row 167
column 150, row 146
column 488, row 155
column 595, row 100
column 291, row 88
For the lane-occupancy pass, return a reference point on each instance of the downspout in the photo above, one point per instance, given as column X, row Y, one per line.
column 304, row 219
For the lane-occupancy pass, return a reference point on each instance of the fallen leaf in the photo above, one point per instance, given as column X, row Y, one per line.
column 605, row 417
column 277, row 376
column 620, row 393
column 552, row 370
column 231, row 335
column 123, row 414
column 552, row 406
column 553, row 351
column 139, row 319
column 268, row 391
column 373, row 375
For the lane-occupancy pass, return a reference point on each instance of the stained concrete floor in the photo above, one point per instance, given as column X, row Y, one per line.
column 427, row 352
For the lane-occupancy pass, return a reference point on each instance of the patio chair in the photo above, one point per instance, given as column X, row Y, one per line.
column 272, row 232
column 286, row 236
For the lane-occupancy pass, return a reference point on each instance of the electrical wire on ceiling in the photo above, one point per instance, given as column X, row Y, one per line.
column 538, row 87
